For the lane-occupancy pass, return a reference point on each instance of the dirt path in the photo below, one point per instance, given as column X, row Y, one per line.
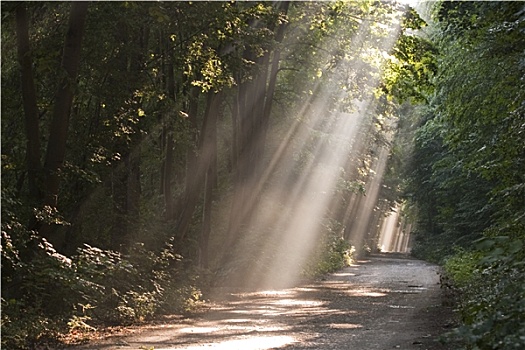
column 384, row 302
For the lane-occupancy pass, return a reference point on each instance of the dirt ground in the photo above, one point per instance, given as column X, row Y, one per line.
column 383, row 302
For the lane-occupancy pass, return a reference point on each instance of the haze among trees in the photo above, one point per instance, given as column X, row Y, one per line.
column 152, row 151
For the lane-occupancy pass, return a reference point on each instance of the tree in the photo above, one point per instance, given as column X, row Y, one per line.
column 30, row 101
column 48, row 193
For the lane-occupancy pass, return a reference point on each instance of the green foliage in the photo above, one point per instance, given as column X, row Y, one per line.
column 93, row 287
column 333, row 253
column 130, row 288
column 23, row 324
column 79, row 322
column 37, row 293
column 411, row 70
column 491, row 292
column 466, row 176
column 412, row 65
column 461, row 267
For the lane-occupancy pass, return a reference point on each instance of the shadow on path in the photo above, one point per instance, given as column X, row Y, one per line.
column 384, row 302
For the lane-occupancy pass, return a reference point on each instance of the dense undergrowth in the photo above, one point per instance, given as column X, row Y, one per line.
column 488, row 281
column 52, row 294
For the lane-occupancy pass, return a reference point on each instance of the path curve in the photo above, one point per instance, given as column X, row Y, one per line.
column 383, row 302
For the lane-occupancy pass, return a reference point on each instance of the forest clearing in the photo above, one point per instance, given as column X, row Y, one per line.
column 154, row 153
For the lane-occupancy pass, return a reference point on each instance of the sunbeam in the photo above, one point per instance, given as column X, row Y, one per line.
column 394, row 234
column 320, row 141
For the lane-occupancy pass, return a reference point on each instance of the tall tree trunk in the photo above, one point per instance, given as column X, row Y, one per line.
column 251, row 119
column 210, row 140
column 191, row 153
column 56, row 148
column 209, row 184
column 134, row 188
column 127, row 188
column 168, row 142
column 167, row 173
column 30, row 102
column 206, row 153
column 119, row 229
column 274, row 69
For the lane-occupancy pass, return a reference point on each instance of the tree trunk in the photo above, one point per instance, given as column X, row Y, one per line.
column 206, row 215
column 274, row 68
column 56, row 148
column 119, row 229
column 167, row 173
column 210, row 140
column 133, row 188
column 206, row 153
column 191, row 152
column 251, row 119
column 30, row 103
column 167, row 141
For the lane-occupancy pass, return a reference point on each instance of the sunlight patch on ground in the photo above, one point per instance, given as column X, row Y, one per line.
column 251, row 343
column 345, row 326
column 306, row 289
column 277, row 312
column 258, row 329
column 401, row 307
column 344, row 274
column 276, row 292
column 266, row 293
column 298, row 303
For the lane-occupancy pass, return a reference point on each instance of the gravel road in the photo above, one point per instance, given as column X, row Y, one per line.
column 383, row 302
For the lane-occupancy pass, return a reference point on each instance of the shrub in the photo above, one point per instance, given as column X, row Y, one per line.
column 462, row 267
column 37, row 301
column 493, row 311
column 333, row 253
column 130, row 288
column 23, row 324
column 492, row 302
column 49, row 293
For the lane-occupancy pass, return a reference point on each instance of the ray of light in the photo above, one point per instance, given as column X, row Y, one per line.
column 395, row 232
column 388, row 230
column 293, row 205
column 306, row 202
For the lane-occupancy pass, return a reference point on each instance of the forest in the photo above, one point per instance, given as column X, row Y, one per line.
column 153, row 151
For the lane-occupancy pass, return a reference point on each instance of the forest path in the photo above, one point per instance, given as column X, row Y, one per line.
column 382, row 302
